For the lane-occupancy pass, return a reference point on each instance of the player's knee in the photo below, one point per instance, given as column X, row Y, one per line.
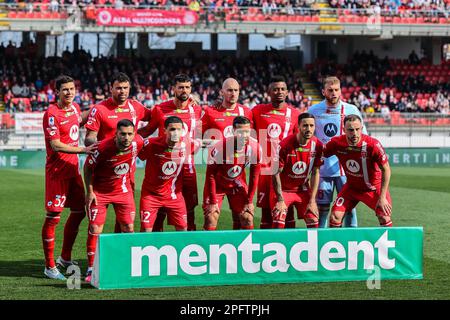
column 246, row 219
column 385, row 221
column 336, row 217
column 95, row 229
column 127, row 228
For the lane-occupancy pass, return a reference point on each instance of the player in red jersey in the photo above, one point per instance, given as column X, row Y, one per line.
column 297, row 181
column 164, row 174
column 273, row 122
column 63, row 183
column 104, row 116
column 185, row 108
column 368, row 173
column 217, row 121
column 107, row 175
column 225, row 175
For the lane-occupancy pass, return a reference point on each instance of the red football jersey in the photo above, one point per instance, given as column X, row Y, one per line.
column 163, row 170
column 104, row 116
column 221, row 119
column 226, row 167
column 113, row 169
column 62, row 124
column 278, row 123
column 361, row 163
column 298, row 161
column 189, row 115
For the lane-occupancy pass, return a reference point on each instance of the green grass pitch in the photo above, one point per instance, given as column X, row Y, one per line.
column 421, row 197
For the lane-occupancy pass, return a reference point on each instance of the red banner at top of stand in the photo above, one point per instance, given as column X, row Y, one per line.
column 145, row 17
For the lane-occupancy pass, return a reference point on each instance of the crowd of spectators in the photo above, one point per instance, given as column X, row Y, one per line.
column 383, row 85
column 26, row 80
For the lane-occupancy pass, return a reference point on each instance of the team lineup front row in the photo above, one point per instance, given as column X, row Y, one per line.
column 274, row 140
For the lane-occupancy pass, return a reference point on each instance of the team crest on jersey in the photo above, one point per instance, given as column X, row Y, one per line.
column 299, row 167
column 234, row 171
column 180, row 111
column 274, row 130
column 276, row 112
column 120, row 110
column 69, row 113
column 352, row 166
column 230, row 114
column 169, row 168
column 74, row 133
column 122, row 169
column 330, row 129
column 228, row 132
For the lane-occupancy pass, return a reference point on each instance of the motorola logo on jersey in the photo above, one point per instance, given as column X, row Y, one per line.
column 74, row 132
column 274, row 130
column 122, row 169
column 228, row 132
column 352, row 165
column 169, row 168
column 330, row 129
column 299, row 167
column 234, row 171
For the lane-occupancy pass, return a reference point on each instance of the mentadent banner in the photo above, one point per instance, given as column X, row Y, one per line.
column 177, row 259
column 145, row 17
column 29, row 123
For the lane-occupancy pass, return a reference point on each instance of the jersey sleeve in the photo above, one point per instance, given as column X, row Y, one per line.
column 94, row 120
column 329, row 149
column 281, row 153
column 145, row 152
column 249, row 115
column 379, row 155
column 51, row 127
column 318, row 160
column 92, row 160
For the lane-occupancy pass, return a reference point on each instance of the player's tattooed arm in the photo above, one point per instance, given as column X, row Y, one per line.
column 280, row 206
column 312, row 205
column 386, row 177
column 91, row 138
column 90, row 195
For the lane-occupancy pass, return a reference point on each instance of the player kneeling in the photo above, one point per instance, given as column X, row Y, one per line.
column 368, row 173
column 299, row 160
column 107, row 176
column 162, row 185
column 225, row 175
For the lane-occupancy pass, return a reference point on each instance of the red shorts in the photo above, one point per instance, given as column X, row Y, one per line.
column 60, row 193
column 189, row 188
column 175, row 209
column 264, row 183
column 237, row 198
column 348, row 198
column 299, row 200
column 123, row 206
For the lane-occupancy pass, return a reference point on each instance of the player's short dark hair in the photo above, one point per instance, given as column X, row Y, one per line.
column 240, row 120
column 352, row 117
column 62, row 79
column 125, row 123
column 172, row 119
column 120, row 77
column 180, row 78
column 277, row 78
column 305, row 115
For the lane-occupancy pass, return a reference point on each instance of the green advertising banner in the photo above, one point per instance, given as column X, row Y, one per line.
column 175, row 259
column 22, row 159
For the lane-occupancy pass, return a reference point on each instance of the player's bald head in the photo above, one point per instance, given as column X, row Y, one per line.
column 229, row 82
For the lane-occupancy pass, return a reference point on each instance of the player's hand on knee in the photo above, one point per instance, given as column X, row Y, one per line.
column 312, row 207
column 384, row 205
column 212, row 209
column 249, row 208
column 91, row 198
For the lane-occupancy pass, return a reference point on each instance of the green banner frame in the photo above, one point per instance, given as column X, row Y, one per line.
column 205, row 258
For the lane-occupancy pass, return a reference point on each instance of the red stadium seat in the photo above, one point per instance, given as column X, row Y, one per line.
column 308, row 19
column 12, row 15
column 299, row 18
column 315, row 19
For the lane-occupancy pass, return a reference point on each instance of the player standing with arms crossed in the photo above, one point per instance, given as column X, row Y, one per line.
column 297, row 180
column 185, row 108
column 104, row 116
column 63, row 182
column 329, row 115
column 273, row 122
column 368, row 173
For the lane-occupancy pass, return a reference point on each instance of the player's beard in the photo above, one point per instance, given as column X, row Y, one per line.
column 182, row 97
column 333, row 101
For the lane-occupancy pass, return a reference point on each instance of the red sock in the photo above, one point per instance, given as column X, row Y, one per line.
column 289, row 224
column 91, row 245
column 191, row 220
column 209, row 228
column 313, row 225
column 236, row 225
column 117, row 228
column 266, row 218
column 247, row 227
column 388, row 224
column 48, row 239
column 335, row 225
column 71, row 232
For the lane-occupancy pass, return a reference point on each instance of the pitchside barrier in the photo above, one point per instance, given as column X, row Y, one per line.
column 210, row 258
column 431, row 157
